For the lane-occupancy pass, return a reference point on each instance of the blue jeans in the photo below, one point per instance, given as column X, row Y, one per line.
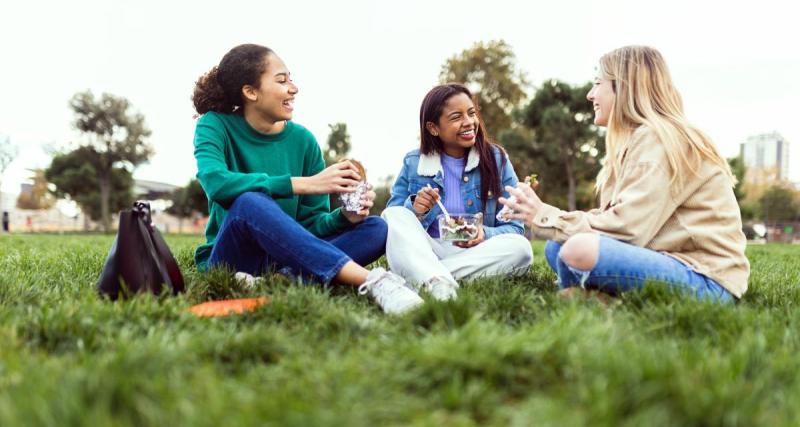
column 622, row 267
column 257, row 236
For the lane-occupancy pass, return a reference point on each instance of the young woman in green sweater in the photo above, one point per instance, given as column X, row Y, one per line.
column 268, row 186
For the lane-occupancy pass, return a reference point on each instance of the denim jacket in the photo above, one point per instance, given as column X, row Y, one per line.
column 419, row 170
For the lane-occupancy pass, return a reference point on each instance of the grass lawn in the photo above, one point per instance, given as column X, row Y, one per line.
column 507, row 352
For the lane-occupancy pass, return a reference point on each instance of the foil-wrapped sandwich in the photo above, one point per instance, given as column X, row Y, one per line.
column 506, row 212
column 352, row 201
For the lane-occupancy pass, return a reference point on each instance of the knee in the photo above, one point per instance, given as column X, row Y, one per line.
column 373, row 232
column 518, row 253
column 376, row 226
column 581, row 251
column 252, row 201
column 396, row 213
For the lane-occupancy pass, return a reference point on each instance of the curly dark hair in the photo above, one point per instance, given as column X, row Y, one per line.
column 220, row 89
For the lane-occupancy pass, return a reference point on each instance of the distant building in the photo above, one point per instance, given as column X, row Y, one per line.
column 766, row 158
column 67, row 216
column 156, row 193
column 152, row 190
column 25, row 188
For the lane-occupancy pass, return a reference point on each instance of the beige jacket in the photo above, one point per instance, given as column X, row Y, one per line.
column 700, row 226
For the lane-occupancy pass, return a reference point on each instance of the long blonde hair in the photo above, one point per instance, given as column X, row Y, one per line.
column 645, row 96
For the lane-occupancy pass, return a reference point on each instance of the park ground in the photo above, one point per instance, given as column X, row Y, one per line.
column 507, row 352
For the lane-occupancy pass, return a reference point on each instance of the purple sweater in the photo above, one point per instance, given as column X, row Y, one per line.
column 452, row 200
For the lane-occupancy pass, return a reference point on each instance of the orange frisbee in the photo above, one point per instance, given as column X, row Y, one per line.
column 227, row 306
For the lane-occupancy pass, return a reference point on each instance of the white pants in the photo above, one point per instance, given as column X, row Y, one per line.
column 418, row 257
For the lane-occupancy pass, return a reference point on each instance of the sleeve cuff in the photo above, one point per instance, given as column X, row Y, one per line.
column 544, row 223
column 514, row 227
column 280, row 187
column 547, row 216
column 339, row 220
column 409, row 203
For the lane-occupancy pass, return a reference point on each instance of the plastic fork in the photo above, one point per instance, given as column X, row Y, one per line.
column 441, row 206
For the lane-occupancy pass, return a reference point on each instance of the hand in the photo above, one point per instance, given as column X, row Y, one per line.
column 342, row 177
column 527, row 205
column 426, row 198
column 477, row 240
column 367, row 201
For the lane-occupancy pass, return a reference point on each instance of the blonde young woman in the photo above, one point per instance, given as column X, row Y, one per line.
column 667, row 211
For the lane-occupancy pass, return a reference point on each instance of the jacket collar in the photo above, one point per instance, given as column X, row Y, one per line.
column 431, row 164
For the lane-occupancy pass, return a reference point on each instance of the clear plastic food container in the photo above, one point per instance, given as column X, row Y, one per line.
column 460, row 227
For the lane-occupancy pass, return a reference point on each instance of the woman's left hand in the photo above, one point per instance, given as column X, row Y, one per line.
column 527, row 205
column 477, row 240
column 367, row 201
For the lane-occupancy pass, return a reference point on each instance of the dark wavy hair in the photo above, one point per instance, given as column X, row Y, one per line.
column 220, row 89
column 432, row 109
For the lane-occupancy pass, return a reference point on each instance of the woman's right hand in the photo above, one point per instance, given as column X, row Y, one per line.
column 527, row 204
column 426, row 198
column 342, row 177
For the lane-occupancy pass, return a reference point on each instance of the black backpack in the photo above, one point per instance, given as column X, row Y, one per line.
column 139, row 260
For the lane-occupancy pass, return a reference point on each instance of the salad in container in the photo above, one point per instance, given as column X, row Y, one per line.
column 459, row 227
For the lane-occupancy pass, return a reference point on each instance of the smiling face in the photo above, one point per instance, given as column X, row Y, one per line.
column 602, row 98
column 457, row 127
column 274, row 98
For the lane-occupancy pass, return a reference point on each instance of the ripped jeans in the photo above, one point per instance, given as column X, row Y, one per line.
column 623, row 267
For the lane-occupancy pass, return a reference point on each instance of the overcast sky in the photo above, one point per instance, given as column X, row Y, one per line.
column 369, row 64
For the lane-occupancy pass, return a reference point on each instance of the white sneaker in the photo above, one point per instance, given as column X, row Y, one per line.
column 390, row 292
column 248, row 280
column 440, row 288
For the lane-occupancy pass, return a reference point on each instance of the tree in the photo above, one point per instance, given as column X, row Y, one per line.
column 489, row 70
column 780, row 203
column 561, row 143
column 74, row 175
column 748, row 208
column 196, row 197
column 739, row 171
column 116, row 137
column 39, row 197
column 338, row 146
column 188, row 201
column 383, row 192
column 336, row 149
column 8, row 152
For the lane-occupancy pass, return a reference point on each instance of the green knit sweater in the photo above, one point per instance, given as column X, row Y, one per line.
column 233, row 158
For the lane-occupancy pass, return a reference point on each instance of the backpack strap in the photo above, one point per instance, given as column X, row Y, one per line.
column 158, row 249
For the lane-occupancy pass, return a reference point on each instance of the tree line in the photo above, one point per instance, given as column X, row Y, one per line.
column 547, row 130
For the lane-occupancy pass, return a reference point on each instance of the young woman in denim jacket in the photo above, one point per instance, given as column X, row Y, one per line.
column 458, row 166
